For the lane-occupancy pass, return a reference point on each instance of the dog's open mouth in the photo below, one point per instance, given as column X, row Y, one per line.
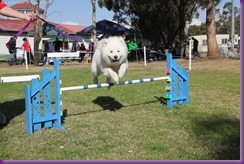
column 114, row 60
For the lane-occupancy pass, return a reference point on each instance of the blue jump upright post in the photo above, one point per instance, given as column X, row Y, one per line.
column 177, row 85
column 38, row 102
column 40, row 111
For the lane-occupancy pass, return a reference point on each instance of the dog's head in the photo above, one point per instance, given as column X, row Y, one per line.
column 114, row 50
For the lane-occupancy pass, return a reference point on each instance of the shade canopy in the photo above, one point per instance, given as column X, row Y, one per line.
column 106, row 27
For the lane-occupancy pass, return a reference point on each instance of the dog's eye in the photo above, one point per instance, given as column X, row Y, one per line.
column 111, row 51
column 118, row 51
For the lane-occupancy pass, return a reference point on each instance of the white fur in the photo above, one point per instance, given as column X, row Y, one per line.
column 110, row 59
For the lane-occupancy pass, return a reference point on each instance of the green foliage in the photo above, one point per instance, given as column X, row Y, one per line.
column 203, row 3
column 160, row 21
column 223, row 24
column 197, row 30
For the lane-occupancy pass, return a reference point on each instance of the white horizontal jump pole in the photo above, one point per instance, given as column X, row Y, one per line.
column 9, row 79
column 83, row 87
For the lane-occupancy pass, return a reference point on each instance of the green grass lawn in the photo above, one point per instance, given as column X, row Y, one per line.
column 130, row 122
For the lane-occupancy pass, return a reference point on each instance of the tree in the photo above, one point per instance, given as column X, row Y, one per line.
column 213, row 50
column 94, row 32
column 48, row 4
column 186, row 8
column 38, row 29
column 224, row 21
column 37, row 34
column 197, row 30
column 160, row 21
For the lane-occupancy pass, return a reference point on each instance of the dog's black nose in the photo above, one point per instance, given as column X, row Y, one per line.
column 115, row 57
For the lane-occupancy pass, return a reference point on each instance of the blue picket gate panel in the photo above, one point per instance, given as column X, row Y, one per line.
column 40, row 112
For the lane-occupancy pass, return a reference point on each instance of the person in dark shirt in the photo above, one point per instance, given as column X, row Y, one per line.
column 45, row 51
column 57, row 44
column 75, row 46
column 195, row 47
column 83, row 51
column 12, row 49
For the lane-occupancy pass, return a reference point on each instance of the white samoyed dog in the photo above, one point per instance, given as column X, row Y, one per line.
column 110, row 59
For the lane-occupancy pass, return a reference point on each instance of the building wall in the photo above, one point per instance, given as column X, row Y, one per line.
column 221, row 41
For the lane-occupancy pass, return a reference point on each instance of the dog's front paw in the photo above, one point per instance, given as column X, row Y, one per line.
column 112, row 76
column 122, row 70
column 95, row 80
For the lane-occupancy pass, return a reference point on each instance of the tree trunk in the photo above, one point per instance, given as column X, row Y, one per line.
column 213, row 50
column 94, row 32
column 37, row 35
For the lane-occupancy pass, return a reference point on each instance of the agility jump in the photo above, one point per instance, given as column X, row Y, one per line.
column 40, row 113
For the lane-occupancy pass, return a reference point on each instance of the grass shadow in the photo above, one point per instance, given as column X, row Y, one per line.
column 12, row 109
column 221, row 135
column 109, row 103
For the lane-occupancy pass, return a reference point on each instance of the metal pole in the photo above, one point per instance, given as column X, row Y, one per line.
column 145, row 56
column 26, row 61
column 233, row 25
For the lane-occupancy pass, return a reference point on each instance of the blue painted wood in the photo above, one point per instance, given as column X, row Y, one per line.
column 39, row 106
column 28, row 110
column 169, row 66
column 186, row 88
column 47, row 106
column 42, row 83
column 35, row 99
column 179, row 93
column 58, row 112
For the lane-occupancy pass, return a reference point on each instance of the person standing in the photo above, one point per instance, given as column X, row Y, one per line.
column 45, row 51
column 12, row 50
column 195, row 47
column 7, row 11
column 229, row 44
column 27, row 48
column 75, row 46
column 83, row 51
column 57, row 45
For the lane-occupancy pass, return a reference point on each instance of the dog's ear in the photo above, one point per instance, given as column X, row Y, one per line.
column 122, row 40
column 105, row 42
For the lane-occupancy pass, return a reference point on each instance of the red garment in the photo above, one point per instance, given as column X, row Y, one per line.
column 26, row 46
column 2, row 4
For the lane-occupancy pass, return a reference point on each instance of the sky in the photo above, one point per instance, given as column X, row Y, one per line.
column 79, row 12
